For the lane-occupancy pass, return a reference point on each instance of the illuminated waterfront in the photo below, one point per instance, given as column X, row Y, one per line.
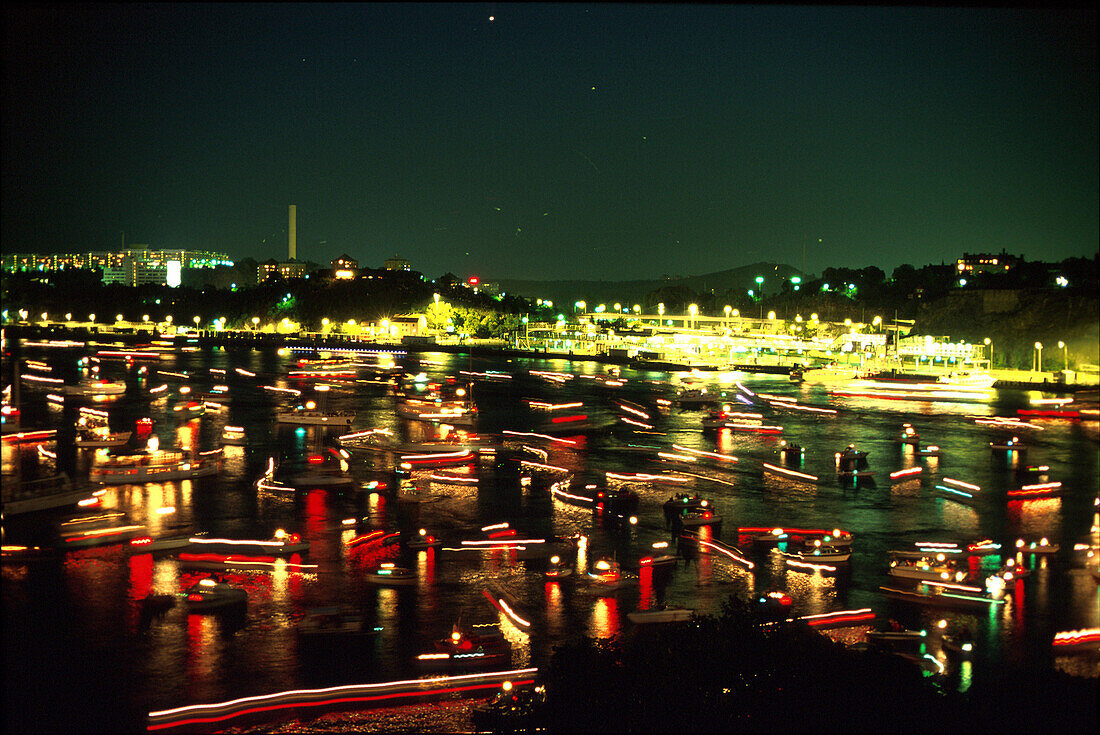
column 90, row 598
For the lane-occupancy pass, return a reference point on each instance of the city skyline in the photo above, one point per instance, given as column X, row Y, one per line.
column 554, row 142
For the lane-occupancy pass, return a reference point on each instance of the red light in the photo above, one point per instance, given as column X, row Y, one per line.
column 474, row 280
column 195, row 598
column 315, row 459
column 565, row 419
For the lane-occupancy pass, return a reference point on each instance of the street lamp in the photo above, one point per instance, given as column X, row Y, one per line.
column 989, row 343
column 196, row 320
column 91, row 317
column 1038, row 357
column 727, row 309
column 1065, row 355
column 693, row 309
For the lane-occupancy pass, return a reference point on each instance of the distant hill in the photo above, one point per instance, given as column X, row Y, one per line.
column 633, row 292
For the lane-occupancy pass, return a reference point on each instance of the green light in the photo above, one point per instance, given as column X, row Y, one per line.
column 796, row 279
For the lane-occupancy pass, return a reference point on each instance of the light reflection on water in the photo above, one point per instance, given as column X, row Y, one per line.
column 190, row 658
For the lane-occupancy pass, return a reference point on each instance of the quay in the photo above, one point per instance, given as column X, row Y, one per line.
column 775, row 364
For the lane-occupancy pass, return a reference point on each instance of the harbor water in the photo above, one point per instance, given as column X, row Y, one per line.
column 77, row 633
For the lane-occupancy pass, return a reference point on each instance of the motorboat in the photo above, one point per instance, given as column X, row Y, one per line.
column 726, row 418
column 659, row 557
column 477, row 647
column 681, row 503
column 100, row 437
column 694, row 397
column 280, row 544
column 208, row 595
column 661, row 614
column 605, row 575
column 937, row 568
column 233, row 436
column 1042, row 546
column 774, row 605
column 1076, row 641
column 819, row 553
column 154, row 466
column 852, row 462
column 101, row 529
column 302, row 416
column 909, row 435
column 697, row 519
column 558, row 567
column 945, row 594
column 388, row 574
column 422, row 540
column 333, row 623
column 96, row 388
column 451, row 413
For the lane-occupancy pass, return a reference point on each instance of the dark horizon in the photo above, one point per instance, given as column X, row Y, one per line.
column 604, row 142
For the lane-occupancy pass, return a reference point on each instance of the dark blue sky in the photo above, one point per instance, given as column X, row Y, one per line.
column 556, row 141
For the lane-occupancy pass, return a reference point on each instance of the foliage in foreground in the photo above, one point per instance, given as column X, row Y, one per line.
column 727, row 674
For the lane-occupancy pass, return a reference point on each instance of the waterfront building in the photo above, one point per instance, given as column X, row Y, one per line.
column 975, row 263
column 286, row 270
column 397, row 263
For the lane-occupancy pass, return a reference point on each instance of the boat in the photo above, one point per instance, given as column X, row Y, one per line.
column 452, row 414
column 389, row 574
column 931, row 450
column 100, row 437
column 683, row 503
column 818, row 553
column 962, row 386
column 829, row 374
column 696, row 519
column 909, row 435
column 896, row 635
column 944, row 594
column 936, row 568
column 280, row 544
column 154, row 466
column 661, row 614
column 774, row 605
column 207, row 595
column 558, row 568
column 661, row 556
column 1076, row 641
column 103, row 529
column 96, row 388
column 726, row 418
column 233, row 436
column 605, row 575
column 422, row 540
column 694, row 397
column 852, row 462
column 1008, row 444
column 334, row 624
column 305, row 417
column 480, row 646
column 1042, row 546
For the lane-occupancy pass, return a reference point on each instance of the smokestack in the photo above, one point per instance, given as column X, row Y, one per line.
column 293, row 230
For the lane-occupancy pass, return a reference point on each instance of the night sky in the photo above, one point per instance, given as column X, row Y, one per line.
column 554, row 142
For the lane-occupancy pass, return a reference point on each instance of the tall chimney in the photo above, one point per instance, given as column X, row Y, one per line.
column 293, row 230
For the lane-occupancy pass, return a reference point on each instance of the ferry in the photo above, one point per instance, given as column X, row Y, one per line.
column 154, row 466
column 967, row 386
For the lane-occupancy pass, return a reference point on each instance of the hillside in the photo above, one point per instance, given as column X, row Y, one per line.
column 634, row 292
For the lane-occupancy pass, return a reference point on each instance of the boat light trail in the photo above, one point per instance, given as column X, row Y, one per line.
column 790, row 473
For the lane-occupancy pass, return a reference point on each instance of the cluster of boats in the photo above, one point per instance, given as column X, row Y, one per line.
column 940, row 574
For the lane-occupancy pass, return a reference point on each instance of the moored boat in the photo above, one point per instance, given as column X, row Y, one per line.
column 305, row 417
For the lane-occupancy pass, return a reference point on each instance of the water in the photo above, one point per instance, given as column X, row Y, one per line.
column 75, row 622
